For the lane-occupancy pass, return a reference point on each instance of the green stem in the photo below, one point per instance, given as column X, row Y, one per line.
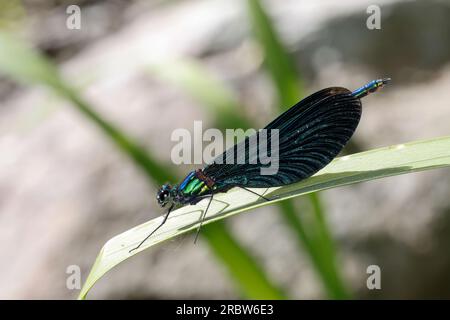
column 317, row 242
column 252, row 280
column 155, row 171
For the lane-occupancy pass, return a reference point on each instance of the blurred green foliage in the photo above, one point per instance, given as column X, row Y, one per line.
column 310, row 226
column 25, row 65
column 11, row 13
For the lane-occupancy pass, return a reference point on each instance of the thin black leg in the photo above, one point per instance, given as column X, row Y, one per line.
column 163, row 222
column 267, row 199
column 202, row 218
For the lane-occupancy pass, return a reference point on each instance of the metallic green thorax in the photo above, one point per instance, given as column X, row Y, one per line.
column 192, row 186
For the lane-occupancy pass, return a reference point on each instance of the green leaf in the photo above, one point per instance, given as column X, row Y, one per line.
column 370, row 165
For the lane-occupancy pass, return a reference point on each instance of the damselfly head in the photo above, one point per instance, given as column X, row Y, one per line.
column 164, row 195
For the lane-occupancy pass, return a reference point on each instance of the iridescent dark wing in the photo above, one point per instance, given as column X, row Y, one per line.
column 311, row 134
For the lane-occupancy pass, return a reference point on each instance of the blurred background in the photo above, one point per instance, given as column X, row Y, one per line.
column 149, row 67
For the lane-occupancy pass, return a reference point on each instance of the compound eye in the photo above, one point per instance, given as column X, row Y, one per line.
column 166, row 194
column 162, row 195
